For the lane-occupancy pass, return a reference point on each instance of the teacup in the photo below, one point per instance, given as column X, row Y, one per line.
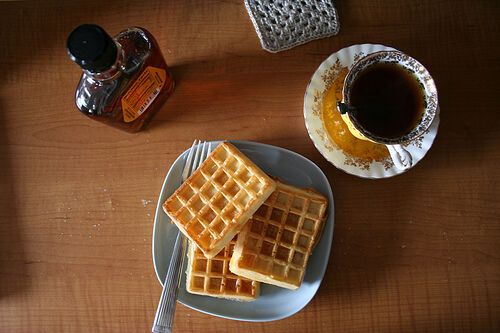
column 422, row 104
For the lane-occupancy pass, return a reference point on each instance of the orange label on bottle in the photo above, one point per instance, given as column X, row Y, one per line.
column 142, row 93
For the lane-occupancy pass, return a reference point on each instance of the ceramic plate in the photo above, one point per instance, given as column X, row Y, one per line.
column 335, row 65
column 274, row 302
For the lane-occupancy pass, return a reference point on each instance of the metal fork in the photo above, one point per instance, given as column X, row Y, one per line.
column 164, row 317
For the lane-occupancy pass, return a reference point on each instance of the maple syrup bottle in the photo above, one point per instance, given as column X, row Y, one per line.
column 125, row 79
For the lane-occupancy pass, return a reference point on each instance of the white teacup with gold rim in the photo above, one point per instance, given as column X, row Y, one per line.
column 389, row 98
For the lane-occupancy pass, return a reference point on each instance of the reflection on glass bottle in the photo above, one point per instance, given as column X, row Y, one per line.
column 125, row 79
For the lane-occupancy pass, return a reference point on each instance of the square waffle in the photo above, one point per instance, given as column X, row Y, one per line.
column 212, row 205
column 274, row 246
column 211, row 277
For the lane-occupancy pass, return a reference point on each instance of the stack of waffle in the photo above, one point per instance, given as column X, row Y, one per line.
column 244, row 227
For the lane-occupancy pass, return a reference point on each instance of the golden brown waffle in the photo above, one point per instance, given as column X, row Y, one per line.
column 274, row 246
column 212, row 205
column 211, row 277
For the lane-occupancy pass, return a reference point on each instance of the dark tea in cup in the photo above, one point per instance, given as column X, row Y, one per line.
column 388, row 99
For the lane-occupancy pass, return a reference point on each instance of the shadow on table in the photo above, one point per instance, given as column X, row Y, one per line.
column 222, row 93
column 205, row 89
column 13, row 272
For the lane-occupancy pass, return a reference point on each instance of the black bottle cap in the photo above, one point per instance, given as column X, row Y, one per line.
column 92, row 48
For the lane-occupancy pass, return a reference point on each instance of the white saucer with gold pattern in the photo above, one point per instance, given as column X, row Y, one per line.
column 330, row 134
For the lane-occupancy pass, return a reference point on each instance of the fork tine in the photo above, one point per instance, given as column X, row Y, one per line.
column 202, row 155
column 197, row 157
column 188, row 164
column 209, row 148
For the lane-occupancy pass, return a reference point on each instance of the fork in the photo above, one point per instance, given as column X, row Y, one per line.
column 164, row 317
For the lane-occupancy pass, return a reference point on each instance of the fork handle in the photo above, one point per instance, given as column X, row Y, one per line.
column 164, row 317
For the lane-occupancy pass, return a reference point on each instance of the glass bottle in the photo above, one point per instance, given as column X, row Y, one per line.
column 125, row 79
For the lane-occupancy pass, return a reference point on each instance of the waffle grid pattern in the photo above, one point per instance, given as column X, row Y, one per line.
column 210, row 204
column 213, row 277
column 282, row 234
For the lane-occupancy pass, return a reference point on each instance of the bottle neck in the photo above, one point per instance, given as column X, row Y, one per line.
column 112, row 72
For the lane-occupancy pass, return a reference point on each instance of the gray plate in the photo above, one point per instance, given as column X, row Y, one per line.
column 273, row 303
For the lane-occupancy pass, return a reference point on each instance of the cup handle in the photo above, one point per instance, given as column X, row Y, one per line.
column 400, row 156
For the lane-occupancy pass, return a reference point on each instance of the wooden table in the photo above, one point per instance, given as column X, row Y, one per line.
column 415, row 253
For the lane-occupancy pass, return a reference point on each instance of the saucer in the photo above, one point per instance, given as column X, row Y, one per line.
column 357, row 157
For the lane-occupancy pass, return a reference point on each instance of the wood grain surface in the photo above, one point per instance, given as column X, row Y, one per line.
column 415, row 253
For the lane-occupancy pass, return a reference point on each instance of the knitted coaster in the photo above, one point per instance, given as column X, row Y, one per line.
column 283, row 24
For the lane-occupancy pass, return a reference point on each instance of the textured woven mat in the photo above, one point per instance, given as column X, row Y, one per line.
column 283, row 24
